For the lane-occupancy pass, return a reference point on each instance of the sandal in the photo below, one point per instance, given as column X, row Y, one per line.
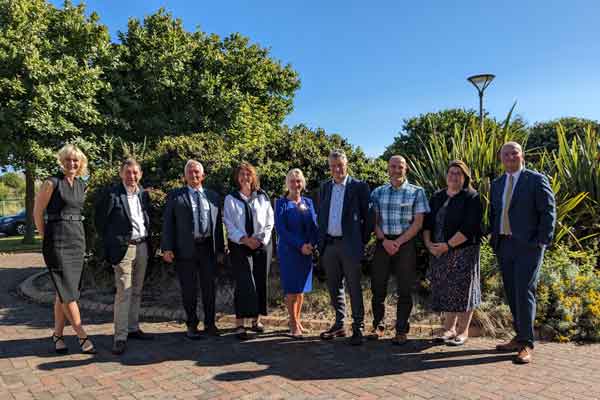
column 257, row 327
column 86, row 349
column 59, row 344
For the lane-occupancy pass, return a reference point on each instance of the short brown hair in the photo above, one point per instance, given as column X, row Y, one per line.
column 465, row 171
column 255, row 185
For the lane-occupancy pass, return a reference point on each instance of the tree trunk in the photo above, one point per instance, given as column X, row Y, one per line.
column 29, row 200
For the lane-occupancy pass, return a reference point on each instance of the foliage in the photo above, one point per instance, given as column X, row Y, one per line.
column 542, row 135
column 168, row 81
column 443, row 123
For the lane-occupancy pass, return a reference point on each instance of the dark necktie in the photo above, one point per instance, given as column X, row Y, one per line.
column 202, row 222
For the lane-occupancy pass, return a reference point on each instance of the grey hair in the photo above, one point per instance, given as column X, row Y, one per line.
column 191, row 163
column 337, row 154
column 130, row 162
column 295, row 172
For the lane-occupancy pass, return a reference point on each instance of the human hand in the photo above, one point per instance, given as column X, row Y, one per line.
column 252, row 242
column 168, row 256
column 306, row 249
column 390, row 246
column 437, row 249
column 220, row 258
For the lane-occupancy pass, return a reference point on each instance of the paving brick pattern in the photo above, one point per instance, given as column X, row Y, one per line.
column 271, row 367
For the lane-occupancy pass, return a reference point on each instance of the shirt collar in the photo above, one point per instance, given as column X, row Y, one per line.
column 343, row 183
column 403, row 186
column 127, row 191
column 515, row 174
column 192, row 190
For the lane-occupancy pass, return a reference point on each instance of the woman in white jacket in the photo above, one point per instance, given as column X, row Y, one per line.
column 248, row 217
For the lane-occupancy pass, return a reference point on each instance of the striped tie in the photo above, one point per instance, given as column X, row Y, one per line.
column 507, row 197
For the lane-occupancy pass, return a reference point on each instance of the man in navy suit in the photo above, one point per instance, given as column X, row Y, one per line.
column 123, row 222
column 522, row 217
column 344, row 228
column 193, row 237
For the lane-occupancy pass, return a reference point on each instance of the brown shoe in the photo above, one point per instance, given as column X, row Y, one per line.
column 333, row 332
column 513, row 345
column 376, row 333
column 525, row 355
column 400, row 339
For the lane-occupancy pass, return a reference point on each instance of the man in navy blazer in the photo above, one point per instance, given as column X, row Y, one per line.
column 192, row 236
column 344, row 228
column 522, row 218
column 123, row 223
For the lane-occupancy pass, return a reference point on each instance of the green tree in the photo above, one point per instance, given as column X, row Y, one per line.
column 168, row 81
column 14, row 181
column 50, row 81
column 408, row 142
column 543, row 135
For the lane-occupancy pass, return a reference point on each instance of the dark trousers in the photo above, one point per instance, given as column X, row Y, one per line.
column 250, row 271
column 339, row 266
column 520, row 265
column 404, row 265
column 201, row 267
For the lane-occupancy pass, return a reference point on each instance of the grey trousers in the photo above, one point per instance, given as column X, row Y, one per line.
column 129, row 281
column 342, row 270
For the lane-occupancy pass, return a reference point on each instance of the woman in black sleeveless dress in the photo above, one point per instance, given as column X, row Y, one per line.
column 62, row 199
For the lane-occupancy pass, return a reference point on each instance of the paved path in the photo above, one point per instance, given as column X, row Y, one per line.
column 272, row 367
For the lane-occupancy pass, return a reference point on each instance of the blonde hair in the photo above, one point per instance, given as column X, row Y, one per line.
column 295, row 172
column 74, row 151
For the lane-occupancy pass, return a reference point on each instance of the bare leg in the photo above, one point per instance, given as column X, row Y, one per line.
column 299, row 310
column 59, row 317
column 289, row 302
column 71, row 311
column 450, row 319
column 464, row 321
column 239, row 322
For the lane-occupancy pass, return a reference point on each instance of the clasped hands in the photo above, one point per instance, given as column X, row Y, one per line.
column 251, row 242
column 437, row 249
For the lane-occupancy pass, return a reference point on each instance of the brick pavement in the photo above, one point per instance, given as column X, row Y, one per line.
column 272, row 367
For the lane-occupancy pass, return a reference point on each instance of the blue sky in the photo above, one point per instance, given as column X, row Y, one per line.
column 365, row 66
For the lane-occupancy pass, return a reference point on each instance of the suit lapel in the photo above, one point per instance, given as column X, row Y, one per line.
column 347, row 196
column 186, row 199
column 125, row 202
column 521, row 183
column 327, row 201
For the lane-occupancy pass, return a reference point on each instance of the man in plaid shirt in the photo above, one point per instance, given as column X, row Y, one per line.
column 399, row 212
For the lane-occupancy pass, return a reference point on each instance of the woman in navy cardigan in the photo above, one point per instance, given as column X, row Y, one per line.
column 452, row 233
column 297, row 232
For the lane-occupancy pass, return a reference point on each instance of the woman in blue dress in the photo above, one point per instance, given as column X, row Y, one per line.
column 296, row 225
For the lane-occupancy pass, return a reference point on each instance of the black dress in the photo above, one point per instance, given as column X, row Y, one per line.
column 64, row 237
column 454, row 276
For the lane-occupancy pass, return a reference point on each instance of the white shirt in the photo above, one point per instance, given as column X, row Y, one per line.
column 205, row 207
column 137, row 214
column 262, row 217
column 336, row 207
column 515, row 180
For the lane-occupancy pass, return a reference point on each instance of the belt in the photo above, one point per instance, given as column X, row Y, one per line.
column 138, row 241
column 330, row 238
column 202, row 240
column 65, row 217
column 501, row 236
column 391, row 237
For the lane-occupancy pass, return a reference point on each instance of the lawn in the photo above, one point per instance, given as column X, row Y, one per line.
column 11, row 244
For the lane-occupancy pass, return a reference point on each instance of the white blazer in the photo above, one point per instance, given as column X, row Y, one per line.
column 262, row 218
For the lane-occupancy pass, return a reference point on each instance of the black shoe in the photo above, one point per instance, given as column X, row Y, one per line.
column 357, row 337
column 118, row 347
column 140, row 335
column 192, row 333
column 212, row 330
column 333, row 332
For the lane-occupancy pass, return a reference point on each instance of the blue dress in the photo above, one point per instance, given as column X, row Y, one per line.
column 295, row 225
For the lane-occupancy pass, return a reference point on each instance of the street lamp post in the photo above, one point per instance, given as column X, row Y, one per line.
column 481, row 82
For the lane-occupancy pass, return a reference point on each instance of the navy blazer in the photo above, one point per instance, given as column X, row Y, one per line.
column 113, row 221
column 357, row 223
column 532, row 212
column 178, row 223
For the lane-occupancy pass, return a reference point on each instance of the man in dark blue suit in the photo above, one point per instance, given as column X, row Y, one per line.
column 522, row 217
column 193, row 237
column 123, row 222
column 344, row 228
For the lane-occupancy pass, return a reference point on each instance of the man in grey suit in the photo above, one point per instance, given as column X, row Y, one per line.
column 522, row 218
column 344, row 228
column 193, row 237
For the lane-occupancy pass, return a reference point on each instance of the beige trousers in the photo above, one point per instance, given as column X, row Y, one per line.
column 129, row 281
